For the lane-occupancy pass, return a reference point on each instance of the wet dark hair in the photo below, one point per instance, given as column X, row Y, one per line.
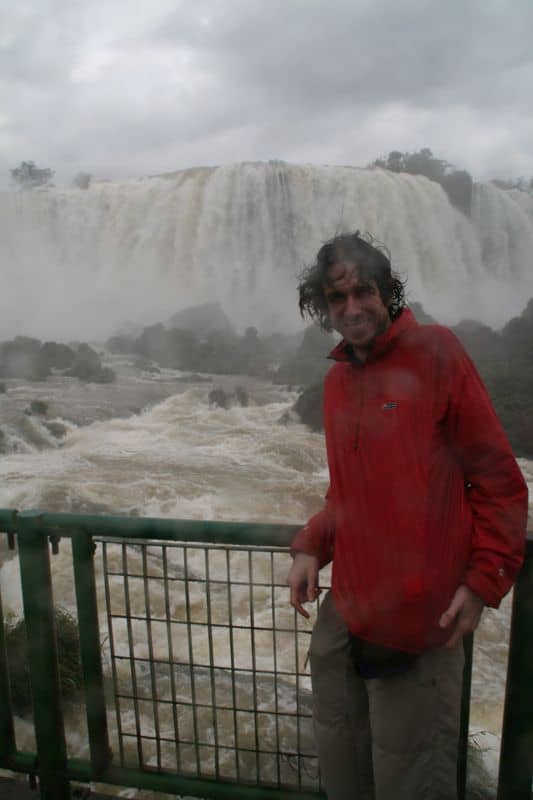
column 372, row 262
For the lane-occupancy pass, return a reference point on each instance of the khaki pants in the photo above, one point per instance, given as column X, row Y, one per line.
column 390, row 738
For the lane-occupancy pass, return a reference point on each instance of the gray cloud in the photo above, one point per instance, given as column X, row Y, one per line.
column 162, row 85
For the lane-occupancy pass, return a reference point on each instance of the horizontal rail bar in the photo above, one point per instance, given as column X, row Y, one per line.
column 175, row 530
column 163, row 781
column 162, row 529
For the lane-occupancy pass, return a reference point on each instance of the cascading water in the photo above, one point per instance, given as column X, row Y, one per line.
column 79, row 263
column 503, row 220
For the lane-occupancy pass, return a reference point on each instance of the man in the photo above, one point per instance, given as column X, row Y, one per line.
column 424, row 521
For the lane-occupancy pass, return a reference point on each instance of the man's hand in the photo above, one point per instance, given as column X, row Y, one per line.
column 303, row 581
column 462, row 616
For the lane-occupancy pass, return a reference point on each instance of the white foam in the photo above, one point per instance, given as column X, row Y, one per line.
column 240, row 234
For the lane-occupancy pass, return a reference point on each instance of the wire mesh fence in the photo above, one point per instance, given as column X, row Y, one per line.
column 204, row 689
column 207, row 663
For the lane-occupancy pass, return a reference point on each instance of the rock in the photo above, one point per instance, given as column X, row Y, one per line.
column 309, row 406
column 218, row 397
column 58, row 356
column 421, row 315
column 309, row 364
column 3, row 388
column 289, row 417
column 107, row 375
column 145, row 365
column 32, row 432
column 3, row 442
column 86, row 353
column 20, row 358
column 91, row 374
column 459, row 187
column 39, row 407
column 57, row 429
column 483, row 344
column 201, row 320
column 194, row 377
column 241, row 396
column 122, row 343
column 88, row 367
column 155, row 345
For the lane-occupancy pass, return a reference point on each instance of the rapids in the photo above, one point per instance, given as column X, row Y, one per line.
column 181, row 458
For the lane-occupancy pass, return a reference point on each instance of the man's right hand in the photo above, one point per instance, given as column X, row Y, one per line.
column 303, row 581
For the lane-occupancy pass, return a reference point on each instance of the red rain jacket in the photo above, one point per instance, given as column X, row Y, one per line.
column 425, row 493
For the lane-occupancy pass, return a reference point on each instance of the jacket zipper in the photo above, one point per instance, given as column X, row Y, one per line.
column 359, row 406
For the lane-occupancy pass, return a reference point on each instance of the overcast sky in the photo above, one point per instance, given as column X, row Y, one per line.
column 125, row 89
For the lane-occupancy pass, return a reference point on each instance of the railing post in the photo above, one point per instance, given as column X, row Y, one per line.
column 516, row 755
column 462, row 756
column 42, row 654
column 7, row 730
column 83, row 549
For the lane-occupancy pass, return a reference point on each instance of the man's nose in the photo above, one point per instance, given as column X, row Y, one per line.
column 353, row 305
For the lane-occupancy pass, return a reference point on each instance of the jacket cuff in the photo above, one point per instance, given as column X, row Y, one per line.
column 492, row 588
column 315, row 540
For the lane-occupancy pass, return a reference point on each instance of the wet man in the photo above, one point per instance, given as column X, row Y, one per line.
column 424, row 521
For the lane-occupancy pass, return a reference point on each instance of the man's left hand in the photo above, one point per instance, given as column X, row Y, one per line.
column 462, row 616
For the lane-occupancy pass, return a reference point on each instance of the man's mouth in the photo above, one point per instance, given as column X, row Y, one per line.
column 356, row 323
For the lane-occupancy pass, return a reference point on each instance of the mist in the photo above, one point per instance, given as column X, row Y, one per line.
column 88, row 263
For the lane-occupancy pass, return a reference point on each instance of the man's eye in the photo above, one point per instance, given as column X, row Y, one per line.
column 336, row 297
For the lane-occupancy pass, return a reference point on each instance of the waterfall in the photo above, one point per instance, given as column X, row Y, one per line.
column 81, row 263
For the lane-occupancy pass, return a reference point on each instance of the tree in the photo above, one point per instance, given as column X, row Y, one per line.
column 28, row 176
column 523, row 184
column 456, row 183
column 421, row 163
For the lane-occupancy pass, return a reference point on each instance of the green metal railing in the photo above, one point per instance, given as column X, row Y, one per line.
column 193, row 664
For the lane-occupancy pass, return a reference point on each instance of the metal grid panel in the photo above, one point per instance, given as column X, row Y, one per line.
column 208, row 663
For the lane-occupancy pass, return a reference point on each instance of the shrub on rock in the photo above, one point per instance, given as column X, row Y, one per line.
column 39, row 407
column 68, row 648
column 88, row 367
column 20, row 358
column 57, row 355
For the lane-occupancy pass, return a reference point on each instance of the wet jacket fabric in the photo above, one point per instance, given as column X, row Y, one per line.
column 425, row 493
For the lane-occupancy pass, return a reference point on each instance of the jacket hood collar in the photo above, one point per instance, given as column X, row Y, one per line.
column 404, row 321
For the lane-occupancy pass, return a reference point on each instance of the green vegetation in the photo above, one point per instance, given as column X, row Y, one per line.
column 27, row 358
column 27, row 176
column 505, row 361
column 68, row 656
column 201, row 348
column 456, row 183
column 39, row 407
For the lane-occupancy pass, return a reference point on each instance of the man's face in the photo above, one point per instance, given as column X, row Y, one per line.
column 355, row 307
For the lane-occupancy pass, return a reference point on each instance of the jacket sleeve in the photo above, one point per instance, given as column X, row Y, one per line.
column 316, row 538
column 496, row 490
